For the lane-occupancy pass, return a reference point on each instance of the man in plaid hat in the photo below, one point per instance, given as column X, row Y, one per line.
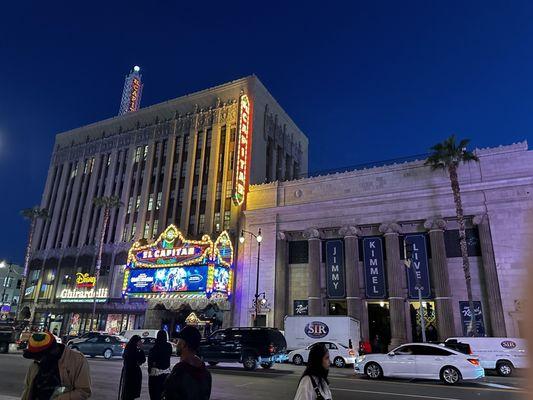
column 57, row 372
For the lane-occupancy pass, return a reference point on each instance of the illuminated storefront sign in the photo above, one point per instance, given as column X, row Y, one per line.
column 82, row 295
column 84, row 280
column 245, row 133
column 174, row 265
column 134, row 95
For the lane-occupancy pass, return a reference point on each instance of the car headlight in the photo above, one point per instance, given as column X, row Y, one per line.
column 360, row 359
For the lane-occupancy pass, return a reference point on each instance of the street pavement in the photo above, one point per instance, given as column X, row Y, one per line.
column 231, row 382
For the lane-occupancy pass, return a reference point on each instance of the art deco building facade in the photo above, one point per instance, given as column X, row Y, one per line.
column 364, row 217
column 186, row 162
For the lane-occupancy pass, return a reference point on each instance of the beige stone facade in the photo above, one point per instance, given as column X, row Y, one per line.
column 391, row 201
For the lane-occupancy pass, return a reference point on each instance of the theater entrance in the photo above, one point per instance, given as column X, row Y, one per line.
column 379, row 326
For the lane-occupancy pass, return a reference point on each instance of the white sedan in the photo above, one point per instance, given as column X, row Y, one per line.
column 339, row 354
column 425, row 361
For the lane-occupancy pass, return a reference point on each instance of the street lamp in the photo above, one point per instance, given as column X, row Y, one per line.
column 257, row 303
column 408, row 259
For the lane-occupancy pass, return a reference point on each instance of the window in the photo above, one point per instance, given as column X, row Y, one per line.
column 201, row 224
column 138, row 154
column 133, row 231
column 145, row 152
column 146, row 234
column 421, row 350
column 404, row 351
column 227, row 216
column 298, row 252
column 231, row 156
column 156, row 226
column 229, row 189
column 125, row 234
column 130, row 205
column 219, row 335
column 150, row 202
column 8, row 280
column 137, row 202
column 218, row 193
column 232, row 133
column 217, row 222
column 331, row 346
column 5, row 298
column 158, row 202
column 74, row 171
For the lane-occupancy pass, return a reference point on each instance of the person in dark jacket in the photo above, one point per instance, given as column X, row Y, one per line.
column 158, row 365
column 189, row 379
column 131, row 371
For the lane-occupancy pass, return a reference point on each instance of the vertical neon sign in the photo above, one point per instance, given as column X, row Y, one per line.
column 241, row 154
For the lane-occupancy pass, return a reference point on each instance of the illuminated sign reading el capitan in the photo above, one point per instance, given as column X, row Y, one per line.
column 243, row 146
column 173, row 264
column 135, row 94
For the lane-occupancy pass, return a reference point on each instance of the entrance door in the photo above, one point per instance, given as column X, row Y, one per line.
column 379, row 326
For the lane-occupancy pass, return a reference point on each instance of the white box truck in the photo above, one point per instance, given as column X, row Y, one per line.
column 301, row 331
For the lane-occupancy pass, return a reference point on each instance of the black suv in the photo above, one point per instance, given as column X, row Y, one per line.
column 249, row 346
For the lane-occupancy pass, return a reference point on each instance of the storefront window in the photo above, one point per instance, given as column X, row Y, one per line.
column 113, row 324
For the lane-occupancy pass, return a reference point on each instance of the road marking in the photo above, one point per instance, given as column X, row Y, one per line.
column 436, row 384
column 497, row 385
column 245, row 384
column 8, row 398
column 419, row 396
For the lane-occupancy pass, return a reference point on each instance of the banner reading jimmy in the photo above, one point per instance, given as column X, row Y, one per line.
column 335, row 269
column 374, row 268
column 418, row 272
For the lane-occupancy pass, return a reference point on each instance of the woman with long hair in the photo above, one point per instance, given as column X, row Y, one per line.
column 158, row 365
column 131, row 379
column 314, row 384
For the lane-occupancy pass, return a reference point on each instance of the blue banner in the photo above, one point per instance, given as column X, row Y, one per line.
column 418, row 272
column 374, row 268
column 466, row 317
column 176, row 279
column 335, row 269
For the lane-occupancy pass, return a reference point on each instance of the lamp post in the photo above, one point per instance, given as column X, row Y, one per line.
column 259, row 239
column 408, row 259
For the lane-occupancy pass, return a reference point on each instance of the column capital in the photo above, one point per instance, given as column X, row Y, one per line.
column 349, row 230
column 479, row 219
column 281, row 235
column 390, row 228
column 435, row 224
column 311, row 233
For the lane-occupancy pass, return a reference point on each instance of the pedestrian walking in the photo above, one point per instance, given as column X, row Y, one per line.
column 131, row 379
column 314, row 384
column 189, row 379
column 57, row 372
column 158, row 365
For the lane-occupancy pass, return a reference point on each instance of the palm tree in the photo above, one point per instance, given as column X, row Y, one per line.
column 33, row 215
column 448, row 155
column 107, row 203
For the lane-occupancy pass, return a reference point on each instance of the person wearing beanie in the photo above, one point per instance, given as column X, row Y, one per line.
column 57, row 372
column 189, row 379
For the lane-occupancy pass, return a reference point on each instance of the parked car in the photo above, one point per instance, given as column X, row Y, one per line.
column 417, row 360
column 149, row 342
column 497, row 353
column 249, row 346
column 101, row 345
column 84, row 337
column 7, row 336
column 143, row 333
column 339, row 354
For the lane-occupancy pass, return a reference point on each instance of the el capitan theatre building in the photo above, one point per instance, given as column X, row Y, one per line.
column 182, row 169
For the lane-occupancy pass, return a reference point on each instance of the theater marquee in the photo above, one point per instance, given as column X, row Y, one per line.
column 173, row 266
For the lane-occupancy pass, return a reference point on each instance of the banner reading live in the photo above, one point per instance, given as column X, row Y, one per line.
column 335, row 269
column 418, row 272
column 374, row 268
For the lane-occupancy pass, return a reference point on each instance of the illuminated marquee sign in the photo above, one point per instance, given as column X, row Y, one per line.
column 173, row 264
column 135, row 94
column 82, row 295
column 84, row 280
column 245, row 133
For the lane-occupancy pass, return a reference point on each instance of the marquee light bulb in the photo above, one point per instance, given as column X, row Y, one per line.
column 136, row 68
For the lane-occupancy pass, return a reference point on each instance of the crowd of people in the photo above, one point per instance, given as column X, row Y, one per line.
column 61, row 373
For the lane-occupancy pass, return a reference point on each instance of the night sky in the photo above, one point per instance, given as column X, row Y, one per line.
column 365, row 80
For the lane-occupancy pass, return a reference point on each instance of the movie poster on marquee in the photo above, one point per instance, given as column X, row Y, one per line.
column 336, row 288
column 374, row 268
column 177, row 279
column 418, row 272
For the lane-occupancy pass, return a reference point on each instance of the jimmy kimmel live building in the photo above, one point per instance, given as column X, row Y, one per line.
column 333, row 245
column 184, row 164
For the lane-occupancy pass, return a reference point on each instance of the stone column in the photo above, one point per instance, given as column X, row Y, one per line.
column 351, row 263
column 439, row 270
column 396, row 282
column 494, row 298
column 281, row 287
column 313, row 289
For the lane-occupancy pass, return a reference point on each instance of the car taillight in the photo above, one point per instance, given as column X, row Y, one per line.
column 271, row 348
column 351, row 352
column 473, row 361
